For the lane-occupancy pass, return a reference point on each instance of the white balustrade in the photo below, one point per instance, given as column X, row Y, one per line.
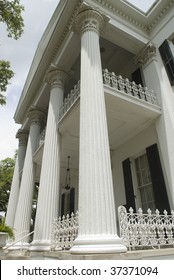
column 41, row 138
column 70, row 100
column 64, row 232
column 139, row 230
column 128, row 87
column 112, row 80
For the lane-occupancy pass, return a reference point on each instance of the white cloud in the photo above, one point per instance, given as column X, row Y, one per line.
column 20, row 53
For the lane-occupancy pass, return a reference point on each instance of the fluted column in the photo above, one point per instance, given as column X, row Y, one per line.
column 24, row 207
column 49, row 188
column 150, row 61
column 97, row 220
column 14, row 192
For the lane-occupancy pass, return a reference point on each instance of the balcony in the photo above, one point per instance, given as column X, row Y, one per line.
column 130, row 109
column 123, row 87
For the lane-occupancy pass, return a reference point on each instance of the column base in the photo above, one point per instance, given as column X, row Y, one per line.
column 41, row 246
column 98, row 245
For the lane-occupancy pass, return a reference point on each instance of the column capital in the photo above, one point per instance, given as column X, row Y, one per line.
column 22, row 136
column 56, row 76
column 89, row 19
column 147, row 54
column 36, row 114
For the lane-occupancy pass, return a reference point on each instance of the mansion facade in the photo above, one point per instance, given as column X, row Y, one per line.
column 97, row 123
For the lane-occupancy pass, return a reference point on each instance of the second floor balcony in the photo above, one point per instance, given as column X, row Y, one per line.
column 130, row 109
column 118, row 86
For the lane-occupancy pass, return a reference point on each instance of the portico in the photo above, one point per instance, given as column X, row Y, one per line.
column 92, row 100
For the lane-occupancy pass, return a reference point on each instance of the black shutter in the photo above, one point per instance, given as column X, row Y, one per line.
column 160, row 193
column 168, row 60
column 62, row 204
column 136, row 77
column 130, row 198
column 72, row 198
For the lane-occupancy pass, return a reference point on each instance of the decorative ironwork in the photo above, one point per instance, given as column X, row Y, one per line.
column 64, row 232
column 128, row 87
column 146, row 230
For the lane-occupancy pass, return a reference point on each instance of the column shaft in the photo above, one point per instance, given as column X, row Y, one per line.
column 14, row 192
column 24, row 207
column 97, row 220
column 48, row 198
column 150, row 62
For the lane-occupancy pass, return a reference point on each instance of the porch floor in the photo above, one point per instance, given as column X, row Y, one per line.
column 150, row 254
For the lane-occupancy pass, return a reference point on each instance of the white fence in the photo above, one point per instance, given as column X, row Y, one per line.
column 139, row 230
column 64, row 232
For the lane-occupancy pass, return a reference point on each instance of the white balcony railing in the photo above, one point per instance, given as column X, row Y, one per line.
column 64, row 232
column 41, row 138
column 128, row 87
column 139, row 230
column 70, row 101
column 117, row 82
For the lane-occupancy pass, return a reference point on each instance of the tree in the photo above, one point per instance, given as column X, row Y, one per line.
column 6, row 175
column 11, row 15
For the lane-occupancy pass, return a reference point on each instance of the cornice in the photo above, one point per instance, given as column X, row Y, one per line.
column 145, row 27
column 160, row 16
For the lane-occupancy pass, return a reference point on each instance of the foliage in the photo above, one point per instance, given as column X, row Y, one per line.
column 5, row 75
column 5, row 228
column 6, row 175
column 11, row 15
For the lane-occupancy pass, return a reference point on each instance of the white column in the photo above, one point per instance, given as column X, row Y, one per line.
column 49, row 188
column 14, row 192
column 97, row 217
column 24, row 207
column 151, row 64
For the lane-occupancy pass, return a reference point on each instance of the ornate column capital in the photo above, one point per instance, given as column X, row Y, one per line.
column 36, row 114
column 146, row 55
column 56, row 76
column 89, row 19
column 22, row 136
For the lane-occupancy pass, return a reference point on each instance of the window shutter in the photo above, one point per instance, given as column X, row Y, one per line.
column 168, row 60
column 72, row 198
column 160, row 193
column 130, row 198
column 62, row 204
column 136, row 77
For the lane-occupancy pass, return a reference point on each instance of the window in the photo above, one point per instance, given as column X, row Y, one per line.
column 168, row 60
column 145, row 188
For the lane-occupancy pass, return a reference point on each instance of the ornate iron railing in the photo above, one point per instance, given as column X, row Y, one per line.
column 139, row 230
column 128, row 87
column 64, row 232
